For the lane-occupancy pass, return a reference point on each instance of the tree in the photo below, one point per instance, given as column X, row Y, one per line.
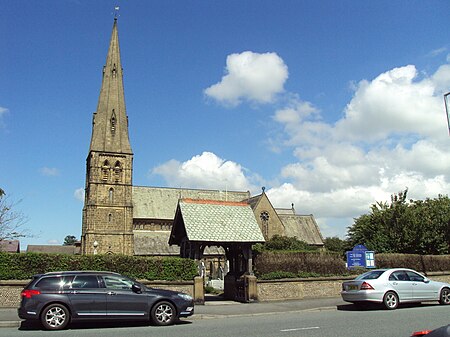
column 405, row 226
column 278, row 242
column 11, row 222
column 69, row 240
column 335, row 244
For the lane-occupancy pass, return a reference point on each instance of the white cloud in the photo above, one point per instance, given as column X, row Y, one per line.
column 49, row 171
column 394, row 103
column 79, row 194
column 393, row 136
column 253, row 77
column 53, row 242
column 205, row 171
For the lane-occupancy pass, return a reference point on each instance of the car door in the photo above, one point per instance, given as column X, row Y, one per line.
column 400, row 282
column 422, row 290
column 87, row 298
column 122, row 301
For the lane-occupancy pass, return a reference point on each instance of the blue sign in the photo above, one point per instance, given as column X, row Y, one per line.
column 359, row 256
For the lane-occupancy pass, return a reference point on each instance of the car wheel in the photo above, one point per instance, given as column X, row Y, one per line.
column 390, row 300
column 444, row 297
column 163, row 313
column 55, row 317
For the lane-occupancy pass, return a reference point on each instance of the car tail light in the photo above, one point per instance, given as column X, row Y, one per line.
column 29, row 293
column 366, row 286
column 421, row 333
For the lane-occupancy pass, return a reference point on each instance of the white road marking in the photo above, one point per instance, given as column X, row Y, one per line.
column 298, row 329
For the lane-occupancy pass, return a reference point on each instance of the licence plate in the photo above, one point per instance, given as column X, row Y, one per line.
column 352, row 287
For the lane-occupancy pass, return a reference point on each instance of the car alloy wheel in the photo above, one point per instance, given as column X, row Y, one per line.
column 55, row 317
column 390, row 300
column 444, row 297
column 163, row 313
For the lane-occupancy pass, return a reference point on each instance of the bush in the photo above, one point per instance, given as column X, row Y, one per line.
column 299, row 263
column 24, row 266
column 421, row 263
column 283, row 243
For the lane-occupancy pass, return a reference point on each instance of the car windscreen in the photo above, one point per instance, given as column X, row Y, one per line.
column 370, row 275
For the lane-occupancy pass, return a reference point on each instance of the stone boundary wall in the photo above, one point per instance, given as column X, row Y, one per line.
column 303, row 288
column 268, row 290
column 10, row 289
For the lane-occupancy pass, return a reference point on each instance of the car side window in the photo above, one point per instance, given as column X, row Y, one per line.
column 399, row 275
column 85, row 281
column 415, row 277
column 54, row 283
column 117, row 282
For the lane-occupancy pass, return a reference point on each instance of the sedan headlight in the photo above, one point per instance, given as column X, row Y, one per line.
column 185, row 297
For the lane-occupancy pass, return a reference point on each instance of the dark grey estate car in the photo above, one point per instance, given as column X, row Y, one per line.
column 61, row 297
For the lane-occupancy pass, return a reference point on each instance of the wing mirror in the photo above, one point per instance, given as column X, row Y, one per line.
column 425, row 280
column 136, row 288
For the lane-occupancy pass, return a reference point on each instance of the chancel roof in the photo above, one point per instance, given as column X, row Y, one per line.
column 303, row 227
column 215, row 221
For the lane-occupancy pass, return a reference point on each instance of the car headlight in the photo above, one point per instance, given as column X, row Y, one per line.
column 185, row 297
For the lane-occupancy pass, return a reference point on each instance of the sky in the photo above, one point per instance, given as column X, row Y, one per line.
column 330, row 105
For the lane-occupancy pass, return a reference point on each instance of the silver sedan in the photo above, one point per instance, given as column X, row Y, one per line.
column 393, row 286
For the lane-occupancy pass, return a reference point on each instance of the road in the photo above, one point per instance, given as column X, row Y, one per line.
column 345, row 320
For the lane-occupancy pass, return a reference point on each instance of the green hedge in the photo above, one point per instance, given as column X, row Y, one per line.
column 274, row 265
column 421, row 263
column 24, row 266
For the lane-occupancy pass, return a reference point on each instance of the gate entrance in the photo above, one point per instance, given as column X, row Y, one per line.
column 199, row 224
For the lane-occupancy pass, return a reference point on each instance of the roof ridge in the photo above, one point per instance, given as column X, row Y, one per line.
column 214, row 202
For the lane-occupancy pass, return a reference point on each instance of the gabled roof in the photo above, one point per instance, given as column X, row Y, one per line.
column 161, row 202
column 215, row 221
column 303, row 227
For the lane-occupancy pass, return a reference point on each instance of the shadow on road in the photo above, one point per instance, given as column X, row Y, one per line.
column 378, row 307
column 34, row 325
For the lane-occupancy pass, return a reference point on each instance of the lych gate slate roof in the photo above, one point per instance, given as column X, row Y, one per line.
column 216, row 221
column 161, row 202
column 304, row 227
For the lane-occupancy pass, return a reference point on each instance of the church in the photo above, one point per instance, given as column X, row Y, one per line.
column 119, row 218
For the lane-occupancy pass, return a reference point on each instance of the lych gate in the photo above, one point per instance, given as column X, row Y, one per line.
column 231, row 225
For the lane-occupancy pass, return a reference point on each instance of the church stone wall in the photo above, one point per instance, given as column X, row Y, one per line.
column 267, row 219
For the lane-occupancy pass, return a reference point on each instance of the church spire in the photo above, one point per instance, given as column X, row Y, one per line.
column 110, row 121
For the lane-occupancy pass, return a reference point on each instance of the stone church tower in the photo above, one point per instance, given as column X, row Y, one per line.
column 108, row 211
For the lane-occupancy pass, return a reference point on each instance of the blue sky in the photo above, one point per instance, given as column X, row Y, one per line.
column 331, row 105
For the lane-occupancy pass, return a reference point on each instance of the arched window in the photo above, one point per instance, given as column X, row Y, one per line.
column 111, row 195
column 264, row 216
column 105, row 170
column 117, row 172
column 110, row 217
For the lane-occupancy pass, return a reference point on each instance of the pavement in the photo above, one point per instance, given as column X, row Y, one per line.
column 216, row 308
